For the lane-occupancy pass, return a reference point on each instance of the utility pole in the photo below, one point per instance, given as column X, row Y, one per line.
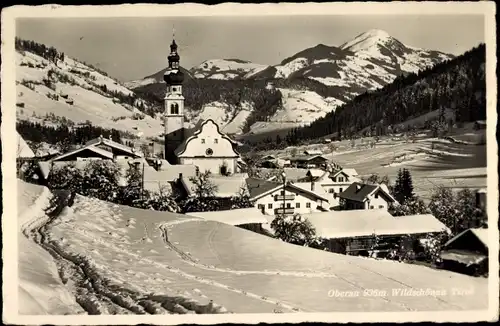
column 142, row 182
column 284, row 191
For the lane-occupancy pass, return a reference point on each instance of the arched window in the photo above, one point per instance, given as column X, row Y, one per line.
column 174, row 108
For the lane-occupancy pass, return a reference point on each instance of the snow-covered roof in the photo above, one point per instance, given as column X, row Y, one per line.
column 234, row 216
column 359, row 223
column 23, row 149
column 318, row 190
column 481, row 235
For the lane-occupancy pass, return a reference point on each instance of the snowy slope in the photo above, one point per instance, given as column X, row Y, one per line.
column 378, row 44
column 40, row 288
column 369, row 61
column 226, row 69
column 231, row 119
column 90, row 91
column 158, row 256
column 303, row 106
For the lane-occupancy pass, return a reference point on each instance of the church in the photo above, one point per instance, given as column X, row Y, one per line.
column 205, row 146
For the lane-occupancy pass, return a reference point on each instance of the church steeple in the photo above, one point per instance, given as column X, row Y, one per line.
column 174, row 104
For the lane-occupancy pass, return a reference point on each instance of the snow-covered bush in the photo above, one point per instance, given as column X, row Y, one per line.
column 294, row 229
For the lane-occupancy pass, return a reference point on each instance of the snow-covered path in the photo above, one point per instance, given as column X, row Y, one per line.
column 118, row 259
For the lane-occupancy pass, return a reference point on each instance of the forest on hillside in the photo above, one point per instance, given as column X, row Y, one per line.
column 458, row 85
column 199, row 92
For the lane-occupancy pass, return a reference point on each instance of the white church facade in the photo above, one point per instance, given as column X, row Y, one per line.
column 206, row 147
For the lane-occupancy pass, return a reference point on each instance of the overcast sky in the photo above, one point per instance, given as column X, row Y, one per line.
column 131, row 48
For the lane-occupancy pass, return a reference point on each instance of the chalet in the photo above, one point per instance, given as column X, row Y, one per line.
column 309, row 161
column 273, row 198
column 95, row 149
column 332, row 183
column 467, row 252
column 360, row 231
column 274, row 163
column 247, row 218
column 366, row 196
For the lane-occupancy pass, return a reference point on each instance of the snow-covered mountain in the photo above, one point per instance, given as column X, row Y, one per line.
column 72, row 91
column 156, row 78
column 325, row 75
column 369, row 61
column 226, row 69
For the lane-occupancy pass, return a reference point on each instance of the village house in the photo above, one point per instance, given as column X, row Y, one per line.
column 273, row 198
column 204, row 146
column 358, row 232
column 366, row 196
column 309, row 161
column 96, row 149
column 332, row 183
column 467, row 252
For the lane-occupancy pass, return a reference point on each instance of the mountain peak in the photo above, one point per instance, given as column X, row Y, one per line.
column 367, row 40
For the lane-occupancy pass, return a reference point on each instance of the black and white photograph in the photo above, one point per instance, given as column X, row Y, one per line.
column 249, row 163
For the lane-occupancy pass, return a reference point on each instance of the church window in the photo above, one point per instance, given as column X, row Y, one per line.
column 174, row 108
column 216, row 141
column 209, row 151
column 203, row 140
column 174, row 89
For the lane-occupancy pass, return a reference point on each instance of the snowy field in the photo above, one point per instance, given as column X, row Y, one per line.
column 139, row 261
column 431, row 161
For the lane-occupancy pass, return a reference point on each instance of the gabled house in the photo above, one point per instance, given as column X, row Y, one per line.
column 366, row 196
column 467, row 252
column 332, row 183
column 95, row 149
column 273, row 198
column 309, row 161
column 356, row 231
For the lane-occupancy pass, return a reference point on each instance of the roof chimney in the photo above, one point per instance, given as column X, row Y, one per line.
column 358, row 187
column 110, row 137
column 180, row 175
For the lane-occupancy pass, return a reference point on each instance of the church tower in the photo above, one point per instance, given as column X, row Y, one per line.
column 174, row 105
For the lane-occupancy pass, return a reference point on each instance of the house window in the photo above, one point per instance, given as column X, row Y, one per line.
column 260, row 206
column 335, row 195
column 332, row 191
column 270, row 206
column 282, row 192
column 341, row 179
column 380, row 206
column 376, row 195
column 216, row 141
column 308, row 205
column 297, row 205
column 288, row 205
column 340, row 190
column 203, row 140
column 371, row 207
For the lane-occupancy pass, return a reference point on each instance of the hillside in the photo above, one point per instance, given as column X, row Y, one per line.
column 338, row 74
column 458, row 85
column 56, row 89
column 147, row 262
